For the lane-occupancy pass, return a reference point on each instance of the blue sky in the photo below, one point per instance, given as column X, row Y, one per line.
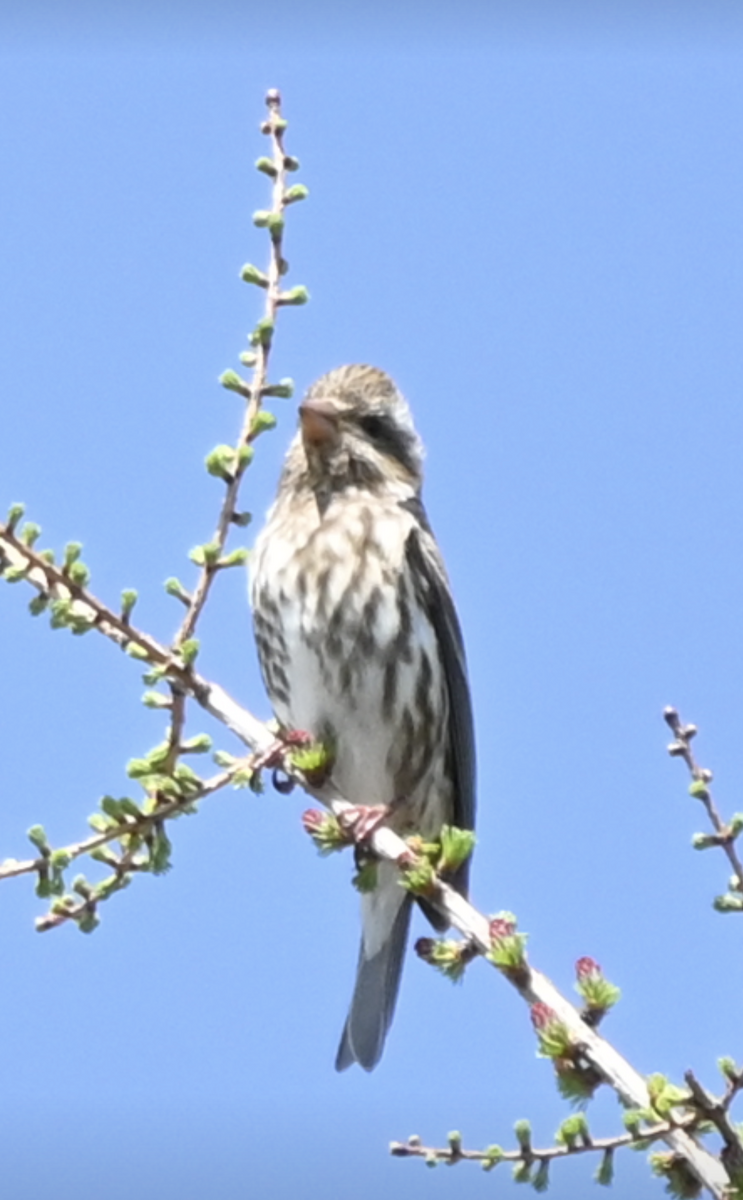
column 533, row 222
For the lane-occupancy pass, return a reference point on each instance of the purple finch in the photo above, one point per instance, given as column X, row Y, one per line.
column 360, row 647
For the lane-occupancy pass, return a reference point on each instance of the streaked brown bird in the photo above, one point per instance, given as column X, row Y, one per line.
column 360, row 647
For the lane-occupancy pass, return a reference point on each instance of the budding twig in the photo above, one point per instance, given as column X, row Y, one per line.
column 725, row 835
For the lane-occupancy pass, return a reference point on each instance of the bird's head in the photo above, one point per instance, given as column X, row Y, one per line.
column 355, row 430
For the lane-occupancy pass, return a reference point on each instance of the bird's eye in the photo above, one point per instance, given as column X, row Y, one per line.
column 374, row 427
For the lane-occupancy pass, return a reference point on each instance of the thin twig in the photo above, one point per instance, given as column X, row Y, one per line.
column 274, row 128
column 448, row 1154
column 681, row 748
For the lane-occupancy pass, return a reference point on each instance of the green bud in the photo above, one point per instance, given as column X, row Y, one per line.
column 155, row 675
column 704, row 841
column 493, row 1155
column 38, row 605
column 291, row 163
column 284, row 389
column 248, row 358
column 16, row 574
column 199, row 744
column 81, row 886
column 88, row 922
column 134, row 650
column 160, row 852
column 223, row 758
column 295, row 295
column 735, row 824
column 245, row 456
column 128, row 600
column 251, row 274
column 136, row 768
column 15, row 514
column 263, row 332
column 573, row 1129
column 29, row 533
column 297, row 192
column 233, row 382
column 605, row 1173
column 242, row 519
column 189, row 650
column 59, row 860
column 236, row 558
column 283, row 267
column 698, row 790
column 260, row 217
column 522, row 1129
column 541, row 1180
column 37, row 836
column 48, row 556
column 728, row 903
column 456, row 847
column 72, row 552
column 78, row 574
column 220, row 462
column 60, row 612
column 267, row 166
column 99, row 823
column 275, row 225
column 728, row 1068
column 156, row 700
column 174, row 587
column 206, row 555
column 262, row 422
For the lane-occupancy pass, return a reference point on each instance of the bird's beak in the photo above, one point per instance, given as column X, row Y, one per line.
column 319, row 421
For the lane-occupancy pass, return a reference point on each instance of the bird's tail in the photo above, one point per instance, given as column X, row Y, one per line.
column 386, row 919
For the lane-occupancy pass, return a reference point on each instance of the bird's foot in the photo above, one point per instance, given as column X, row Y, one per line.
column 287, row 740
column 360, row 821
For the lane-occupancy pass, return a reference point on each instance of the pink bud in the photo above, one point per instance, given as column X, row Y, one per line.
column 313, row 820
column 587, row 968
column 542, row 1015
column 501, row 927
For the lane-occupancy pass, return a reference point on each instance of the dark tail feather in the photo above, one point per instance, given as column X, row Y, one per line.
column 374, row 997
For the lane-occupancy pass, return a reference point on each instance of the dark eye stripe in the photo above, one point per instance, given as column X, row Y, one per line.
column 375, row 427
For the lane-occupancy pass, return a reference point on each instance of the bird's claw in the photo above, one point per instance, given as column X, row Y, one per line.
column 360, row 821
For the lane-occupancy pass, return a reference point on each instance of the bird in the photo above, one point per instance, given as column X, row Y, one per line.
column 360, row 647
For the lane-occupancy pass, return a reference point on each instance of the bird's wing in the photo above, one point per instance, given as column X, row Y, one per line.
column 428, row 571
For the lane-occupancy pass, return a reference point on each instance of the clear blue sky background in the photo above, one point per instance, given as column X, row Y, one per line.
column 531, row 217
